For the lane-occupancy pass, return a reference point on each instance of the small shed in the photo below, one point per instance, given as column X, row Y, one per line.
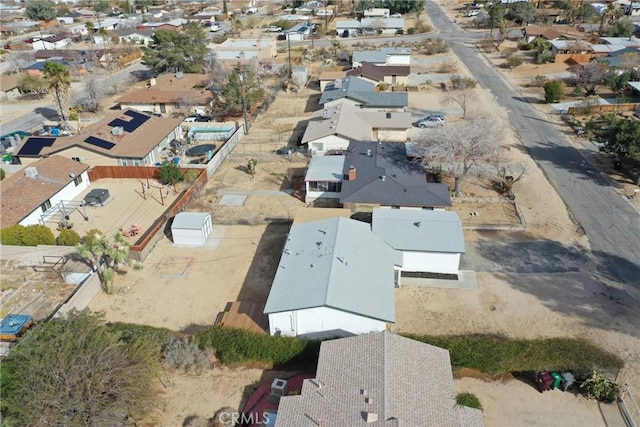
column 191, row 228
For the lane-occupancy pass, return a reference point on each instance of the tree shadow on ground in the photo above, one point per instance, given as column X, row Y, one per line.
column 47, row 113
column 567, row 279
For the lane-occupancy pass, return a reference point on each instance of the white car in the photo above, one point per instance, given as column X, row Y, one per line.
column 472, row 13
column 273, row 29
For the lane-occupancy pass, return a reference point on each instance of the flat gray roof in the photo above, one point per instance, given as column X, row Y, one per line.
column 189, row 220
column 419, row 230
column 333, row 263
column 325, row 168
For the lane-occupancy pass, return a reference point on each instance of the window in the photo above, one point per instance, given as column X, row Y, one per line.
column 78, row 180
column 333, row 187
column 46, row 206
column 318, row 146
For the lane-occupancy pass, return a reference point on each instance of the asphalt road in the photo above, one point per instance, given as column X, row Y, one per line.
column 610, row 223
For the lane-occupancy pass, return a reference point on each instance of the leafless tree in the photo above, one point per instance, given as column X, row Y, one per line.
column 459, row 147
column 462, row 94
column 590, row 76
column 216, row 73
column 93, row 95
column 185, row 103
column 16, row 60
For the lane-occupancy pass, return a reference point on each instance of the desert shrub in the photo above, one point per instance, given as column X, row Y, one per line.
column 514, row 61
column 501, row 355
column 185, row 355
column 2, row 174
column 129, row 332
column 468, row 399
column 434, row 46
column 600, row 388
column 191, row 175
column 448, row 67
column 525, row 46
column 169, row 173
column 538, row 81
column 508, row 52
column 554, row 91
column 543, row 56
column 12, row 236
column 460, row 83
column 400, row 31
column 68, row 238
column 236, row 346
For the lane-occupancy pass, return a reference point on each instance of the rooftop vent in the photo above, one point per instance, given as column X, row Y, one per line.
column 370, row 417
column 383, row 177
column 31, row 172
column 326, row 114
column 117, row 131
column 368, row 153
column 279, row 387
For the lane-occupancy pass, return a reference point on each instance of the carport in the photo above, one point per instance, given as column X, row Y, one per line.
column 191, row 228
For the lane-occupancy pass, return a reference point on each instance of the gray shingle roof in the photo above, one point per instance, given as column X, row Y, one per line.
column 323, row 264
column 404, row 182
column 419, row 230
column 402, row 381
column 364, row 91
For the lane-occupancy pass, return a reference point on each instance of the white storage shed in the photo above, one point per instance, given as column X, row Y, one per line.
column 191, row 228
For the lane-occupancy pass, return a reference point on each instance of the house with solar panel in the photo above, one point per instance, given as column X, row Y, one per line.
column 43, row 189
column 325, row 269
column 124, row 138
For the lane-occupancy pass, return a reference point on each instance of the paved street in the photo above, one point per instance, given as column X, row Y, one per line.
column 610, row 223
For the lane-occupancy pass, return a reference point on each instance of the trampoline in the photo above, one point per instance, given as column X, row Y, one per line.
column 201, row 150
column 14, row 325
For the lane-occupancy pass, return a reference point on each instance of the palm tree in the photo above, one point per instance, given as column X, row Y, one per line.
column 59, row 79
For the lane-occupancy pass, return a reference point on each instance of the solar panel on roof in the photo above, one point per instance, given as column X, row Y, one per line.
column 100, row 143
column 34, row 145
column 137, row 120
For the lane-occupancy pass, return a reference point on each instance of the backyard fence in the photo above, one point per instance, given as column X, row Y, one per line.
column 603, row 108
column 512, row 223
column 122, row 172
column 576, row 57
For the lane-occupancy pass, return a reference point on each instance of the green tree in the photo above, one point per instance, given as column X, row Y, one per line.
column 617, row 135
column 58, row 77
column 68, row 238
column 12, row 236
column 496, row 14
column 31, row 235
column 169, row 174
column 621, row 28
column 104, row 254
column 41, row 10
column 232, row 91
column 617, row 82
column 554, row 90
column 101, row 6
column 522, row 12
column 251, row 166
column 33, row 85
column 90, row 26
column 585, row 13
column 74, row 372
column 172, row 51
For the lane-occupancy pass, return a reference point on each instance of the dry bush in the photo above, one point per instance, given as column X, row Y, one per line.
column 448, row 67
column 434, row 46
column 508, row 52
column 185, row 355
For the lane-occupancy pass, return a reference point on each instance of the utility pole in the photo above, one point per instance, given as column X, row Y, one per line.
column 326, row 18
column 289, row 49
column 244, row 102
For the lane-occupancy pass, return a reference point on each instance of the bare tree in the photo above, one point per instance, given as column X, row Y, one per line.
column 185, row 103
column 216, row 73
column 92, row 95
column 462, row 94
column 590, row 76
column 460, row 147
column 17, row 60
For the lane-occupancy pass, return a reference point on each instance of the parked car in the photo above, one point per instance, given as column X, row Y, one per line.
column 431, row 122
column 203, row 119
column 472, row 13
column 190, row 119
column 273, row 29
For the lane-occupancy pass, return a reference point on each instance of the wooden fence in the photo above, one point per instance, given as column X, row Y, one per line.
column 125, row 172
column 603, row 108
column 576, row 57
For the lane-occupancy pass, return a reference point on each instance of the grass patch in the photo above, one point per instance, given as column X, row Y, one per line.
column 237, row 346
column 500, row 355
column 468, row 399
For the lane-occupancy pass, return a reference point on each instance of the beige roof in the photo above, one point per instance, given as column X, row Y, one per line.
column 136, row 144
column 378, row 379
column 333, row 75
column 21, row 195
column 545, row 32
column 353, row 123
column 170, row 89
column 9, row 82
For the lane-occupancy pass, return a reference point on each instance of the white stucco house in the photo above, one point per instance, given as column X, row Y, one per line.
column 369, row 26
column 430, row 241
column 326, row 268
column 384, row 56
column 191, row 228
column 32, row 194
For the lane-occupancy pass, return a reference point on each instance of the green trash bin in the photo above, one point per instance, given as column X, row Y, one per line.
column 557, row 379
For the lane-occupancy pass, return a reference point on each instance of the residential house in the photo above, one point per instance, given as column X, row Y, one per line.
column 57, row 41
column 623, row 56
column 369, row 26
column 633, row 9
column 170, row 93
column 298, row 32
column 325, row 268
column 9, row 86
column 363, row 94
column 371, row 175
column 532, row 32
column 94, row 56
column 390, row 74
column 635, row 87
column 27, row 195
column 378, row 379
column 570, row 46
column 430, row 241
column 549, row 15
column 133, row 35
column 37, row 68
column 233, row 52
column 330, row 131
column 376, row 13
column 173, row 24
column 327, row 77
column 123, row 138
column 384, row 56
column 622, row 41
